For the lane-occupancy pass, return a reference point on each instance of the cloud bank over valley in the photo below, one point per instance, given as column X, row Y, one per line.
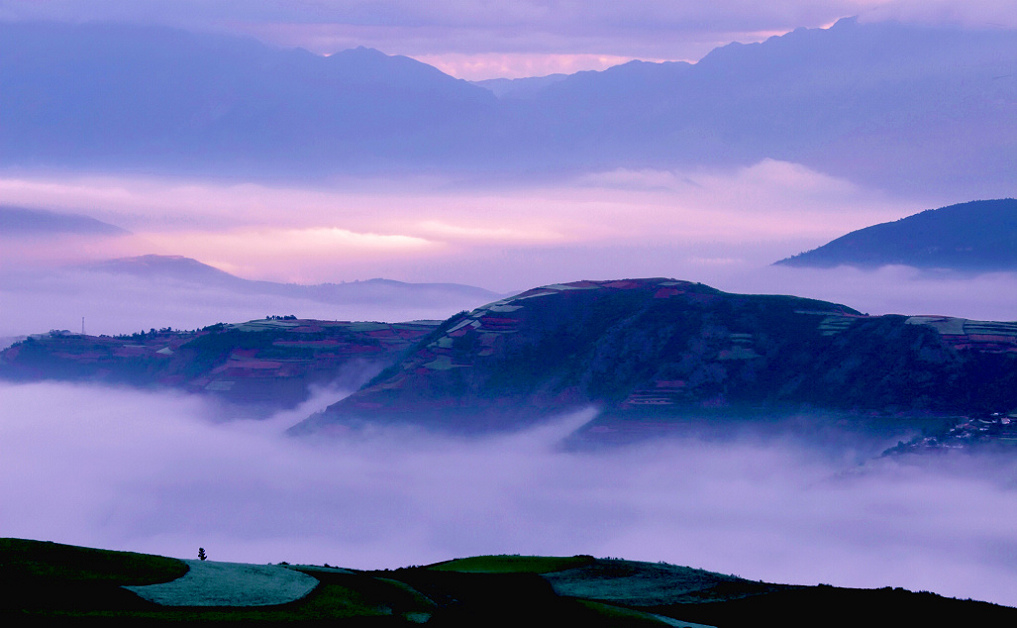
column 157, row 473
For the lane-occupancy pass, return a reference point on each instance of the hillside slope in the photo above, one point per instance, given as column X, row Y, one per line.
column 979, row 236
column 47, row 582
column 270, row 363
column 643, row 348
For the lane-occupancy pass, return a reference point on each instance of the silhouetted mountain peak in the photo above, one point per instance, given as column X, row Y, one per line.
column 972, row 236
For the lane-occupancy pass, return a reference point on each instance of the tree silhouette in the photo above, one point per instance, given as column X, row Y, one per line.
column 201, row 553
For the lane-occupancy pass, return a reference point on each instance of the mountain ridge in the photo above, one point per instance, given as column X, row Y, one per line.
column 650, row 354
column 644, row 350
column 29, row 221
column 177, row 267
column 976, row 236
column 854, row 101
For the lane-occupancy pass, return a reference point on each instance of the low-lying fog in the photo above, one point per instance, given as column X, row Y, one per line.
column 37, row 302
column 158, row 473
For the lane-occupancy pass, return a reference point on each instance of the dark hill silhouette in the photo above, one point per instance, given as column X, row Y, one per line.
column 978, row 236
column 49, row 580
column 660, row 348
column 264, row 364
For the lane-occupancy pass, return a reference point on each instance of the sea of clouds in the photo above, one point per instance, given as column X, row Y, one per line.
column 161, row 473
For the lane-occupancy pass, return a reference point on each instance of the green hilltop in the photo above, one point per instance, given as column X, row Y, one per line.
column 51, row 582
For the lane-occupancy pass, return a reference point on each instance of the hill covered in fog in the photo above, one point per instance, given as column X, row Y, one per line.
column 902, row 107
column 979, row 236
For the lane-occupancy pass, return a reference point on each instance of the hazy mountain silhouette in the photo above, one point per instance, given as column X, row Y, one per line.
column 145, row 97
column 902, row 107
column 25, row 221
column 519, row 87
column 977, row 236
column 187, row 270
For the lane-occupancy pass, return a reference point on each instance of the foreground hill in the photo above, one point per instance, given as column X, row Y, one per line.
column 43, row 582
column 980, row 236
column 648, row 349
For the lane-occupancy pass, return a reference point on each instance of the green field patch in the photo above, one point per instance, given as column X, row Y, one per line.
column 368, row 326
column 212, row 583
column 636, row 583
column 44, row 581
column 43, row 561
column 513, row 564
column 631, row 617
column 53, row 576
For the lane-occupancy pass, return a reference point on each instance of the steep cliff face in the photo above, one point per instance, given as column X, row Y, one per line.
column 661, row 347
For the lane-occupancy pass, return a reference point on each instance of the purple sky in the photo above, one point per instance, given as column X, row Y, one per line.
column 696, row 223
column 477, row 39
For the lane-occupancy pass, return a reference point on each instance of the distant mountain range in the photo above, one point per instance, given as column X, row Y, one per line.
column 25, row 221
column 978, row 236
column 902, row 107
column 186, row 270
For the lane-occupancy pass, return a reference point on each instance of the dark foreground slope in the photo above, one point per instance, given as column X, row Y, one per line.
column 980, row 236
column 271, row 363
column 659, row 348
column 47, row 582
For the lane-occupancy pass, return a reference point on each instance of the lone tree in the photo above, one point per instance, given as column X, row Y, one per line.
column 201, row 553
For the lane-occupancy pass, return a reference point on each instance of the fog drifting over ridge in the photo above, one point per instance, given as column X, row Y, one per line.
column 38, row 301
column 157, row 473
column 720, row 227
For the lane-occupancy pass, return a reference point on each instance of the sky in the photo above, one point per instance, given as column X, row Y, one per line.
column 720, row 226
column 723, row 228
